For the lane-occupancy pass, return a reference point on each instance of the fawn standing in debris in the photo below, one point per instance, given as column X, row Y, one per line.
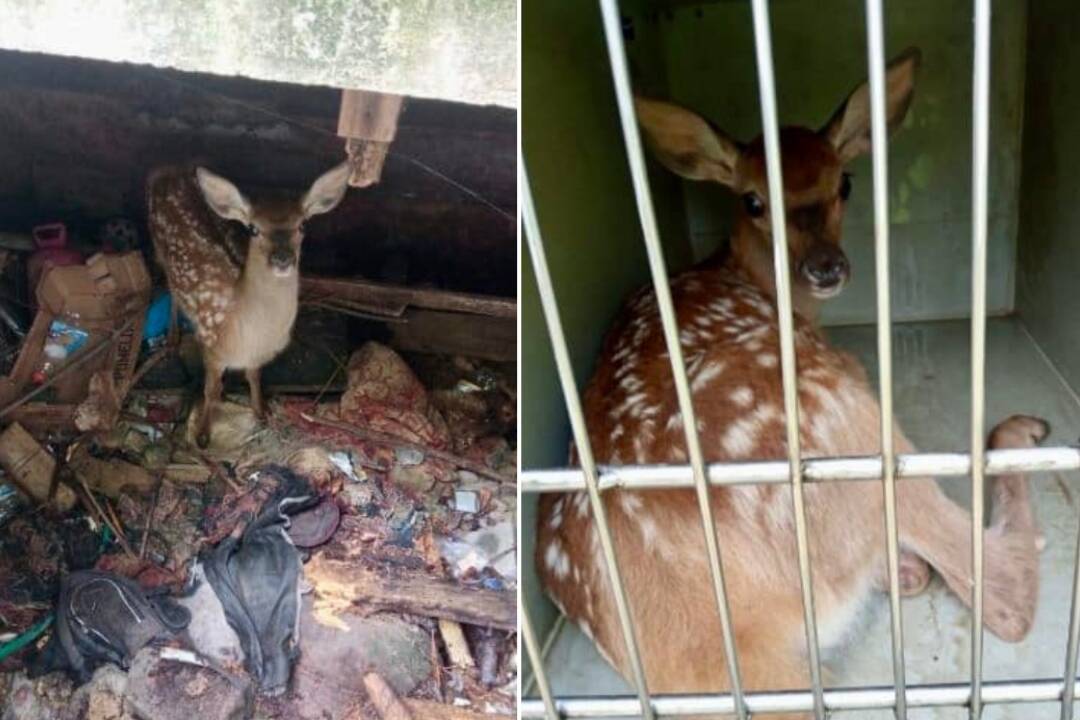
column 233, row 267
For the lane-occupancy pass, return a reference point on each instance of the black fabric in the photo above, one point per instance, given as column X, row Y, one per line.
column 257, row 579
column 101, row 617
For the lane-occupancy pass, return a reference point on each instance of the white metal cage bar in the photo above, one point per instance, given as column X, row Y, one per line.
column 835, row 699
column 825, row 469
column 1068, row 696
column 788, row 369
column 980, row 169
column 580, row 433
column 879, row 136
column 532, row 647
column 651, row 235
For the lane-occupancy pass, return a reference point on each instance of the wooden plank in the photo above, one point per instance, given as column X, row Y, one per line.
column 367, row 115
column 456, row 646
column 339, row 585
column 373, row 294
column 31, row 468
column 448, row 333
column 385, row 700
column 369, row 121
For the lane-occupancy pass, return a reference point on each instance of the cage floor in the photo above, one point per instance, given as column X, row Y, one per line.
column 932, row 398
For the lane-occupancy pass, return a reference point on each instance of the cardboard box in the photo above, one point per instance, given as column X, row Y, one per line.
column 97, row 297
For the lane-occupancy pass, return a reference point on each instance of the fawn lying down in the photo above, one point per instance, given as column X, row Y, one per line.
column 728, row 330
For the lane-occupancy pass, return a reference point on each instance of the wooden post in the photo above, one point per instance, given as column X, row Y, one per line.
column 368, row 122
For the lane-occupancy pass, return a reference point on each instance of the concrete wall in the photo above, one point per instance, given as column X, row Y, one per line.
column 77, row 138
column 465, row 50
column 1049, row 252
column 820, row 54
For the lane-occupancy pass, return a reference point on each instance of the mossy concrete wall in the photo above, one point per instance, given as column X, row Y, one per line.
column 462, row 50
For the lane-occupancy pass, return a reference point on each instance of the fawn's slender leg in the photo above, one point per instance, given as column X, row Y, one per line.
column 211, row 394
column 255, row 385
column 939, row 530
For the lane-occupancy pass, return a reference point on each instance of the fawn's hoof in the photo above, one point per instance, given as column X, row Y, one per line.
column 914, row 575
column 1019, row 431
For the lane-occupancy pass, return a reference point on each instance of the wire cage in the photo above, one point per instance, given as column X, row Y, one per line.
column 887, row 468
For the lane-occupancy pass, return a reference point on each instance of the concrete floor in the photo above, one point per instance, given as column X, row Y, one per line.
column 932, row 397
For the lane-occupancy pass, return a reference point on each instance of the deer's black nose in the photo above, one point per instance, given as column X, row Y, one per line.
column 282, row 257
column 825, row 267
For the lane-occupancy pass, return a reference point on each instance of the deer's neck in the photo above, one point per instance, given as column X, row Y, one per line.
column 752, row 256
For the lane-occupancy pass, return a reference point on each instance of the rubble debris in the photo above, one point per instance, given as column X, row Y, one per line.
column 488, row 547
column 385, row 396
column 209, row 630
column 466, row 501
column 339, row 585
column 385, row 644
column 231, row 427
column 31, row 468
column 101, row 408
column 407, row 519
column 106, row 298
column 395, row 442
column 105, row 618
column 164, row 687
column 47, row 698
column 103, row 695
column 439, row 711
column 109, row 477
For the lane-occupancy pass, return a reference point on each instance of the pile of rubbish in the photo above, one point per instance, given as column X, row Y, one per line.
column 351, row 557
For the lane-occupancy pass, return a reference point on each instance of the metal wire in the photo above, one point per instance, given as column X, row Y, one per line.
column 532, row 647
column 875, row 43
column 580, row 433
column 815, row 470
column 1068, row 695
column 777, row 216
column 651, row 234
column 835, row 699
column 980, row 173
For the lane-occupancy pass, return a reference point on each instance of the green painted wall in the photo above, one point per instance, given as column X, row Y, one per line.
column 820, row 54
column 1049, row 253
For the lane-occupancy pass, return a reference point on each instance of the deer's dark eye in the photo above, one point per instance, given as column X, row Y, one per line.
column 252, row 230
column 845, row 186
column 754, row 205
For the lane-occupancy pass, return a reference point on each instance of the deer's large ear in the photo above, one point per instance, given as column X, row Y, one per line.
column 223, row 197
column 685, row 143
column 849, row 128
column 327, row 191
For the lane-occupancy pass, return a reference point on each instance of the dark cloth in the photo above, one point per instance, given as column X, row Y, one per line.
column 101, row 617
column 257, row 579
